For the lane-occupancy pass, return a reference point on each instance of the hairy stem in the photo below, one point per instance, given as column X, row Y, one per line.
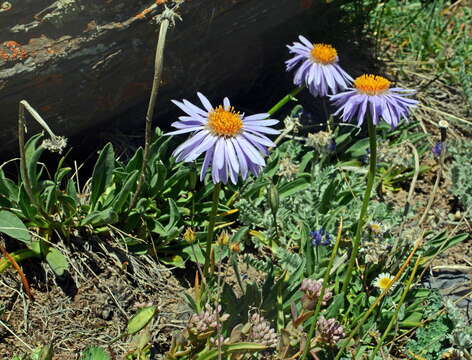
column 211, row 226
column 285, row 100
column 158, row 65
column 365, row 204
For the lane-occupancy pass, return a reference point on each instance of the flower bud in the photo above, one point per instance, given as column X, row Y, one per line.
column 223, row 238
column 329, row 331
column 274, row 199
column 235, row 247
column 190, row 235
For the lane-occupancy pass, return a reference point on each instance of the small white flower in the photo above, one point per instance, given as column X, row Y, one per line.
column 383, row 281
column 376, row 227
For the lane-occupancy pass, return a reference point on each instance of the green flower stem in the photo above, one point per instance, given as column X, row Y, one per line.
column 365, row 204
column 320, row 299
column 211, row 226
column 285, row 100
column 397, row 310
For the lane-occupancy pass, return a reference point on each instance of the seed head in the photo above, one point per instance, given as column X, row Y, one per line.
column 312, row 290
column 322, row 141
column 329, row 331
column 261, row 332
column 55, row 144
column 206, row 322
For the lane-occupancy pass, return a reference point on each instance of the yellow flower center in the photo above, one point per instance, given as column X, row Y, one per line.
column 375, row 228
column 371, row 84
column 224, row 122
column 324, row 54
column 384, row 283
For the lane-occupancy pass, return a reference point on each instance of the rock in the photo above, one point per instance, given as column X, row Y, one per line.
column 453, row 285
column 82, row 62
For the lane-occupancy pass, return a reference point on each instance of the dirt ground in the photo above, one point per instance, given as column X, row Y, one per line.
column 91, row 307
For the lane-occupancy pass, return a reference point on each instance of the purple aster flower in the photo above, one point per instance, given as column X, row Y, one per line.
column 320, row 237
column 318, row 68
column 374, row 93
column 233, row 143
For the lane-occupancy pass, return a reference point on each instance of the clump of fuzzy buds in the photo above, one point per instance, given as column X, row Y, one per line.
column 312, row 289
column 287, row 168
column 322, row 141
column 261, row 332
column 329, row 331
column 206, row 323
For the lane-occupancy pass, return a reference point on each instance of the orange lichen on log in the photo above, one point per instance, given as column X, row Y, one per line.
column 143, row 13
column 46, row 108
column 15, row 52
column 306, row 4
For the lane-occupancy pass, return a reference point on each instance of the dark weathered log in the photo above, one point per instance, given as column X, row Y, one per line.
column 80, row 62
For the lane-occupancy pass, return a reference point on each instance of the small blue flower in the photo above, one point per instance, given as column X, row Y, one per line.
column 437, row 149
column 331, row 146
column 320, row 237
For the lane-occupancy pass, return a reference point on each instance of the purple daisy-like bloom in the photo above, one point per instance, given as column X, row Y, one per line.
column 318, row 67
column 233, row 143
column 374, row 93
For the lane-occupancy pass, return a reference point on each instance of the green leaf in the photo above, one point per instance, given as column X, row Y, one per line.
column 229, row 349
column 174, row 214
column 33, row 152
column 25, row 205
column 141, row 319
column 309, row 156
column 195, row 254
column 11, row 225
column 100, row 218
column 7, row 187
column 60, row 174
column 290, row 188
column 57, row 261
column 174, row 179
column 359, row 148
column 71, row 190
column 157, row 180
column 309, row 252
column 272, row 167
column 336, row 304
column 102, row 173
column 51, row 197
column 435, row 244
column 47, row 352
column 125, row 192
column 136, row 161
column 175, row 261
column 95, row 353
column 328, row 196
